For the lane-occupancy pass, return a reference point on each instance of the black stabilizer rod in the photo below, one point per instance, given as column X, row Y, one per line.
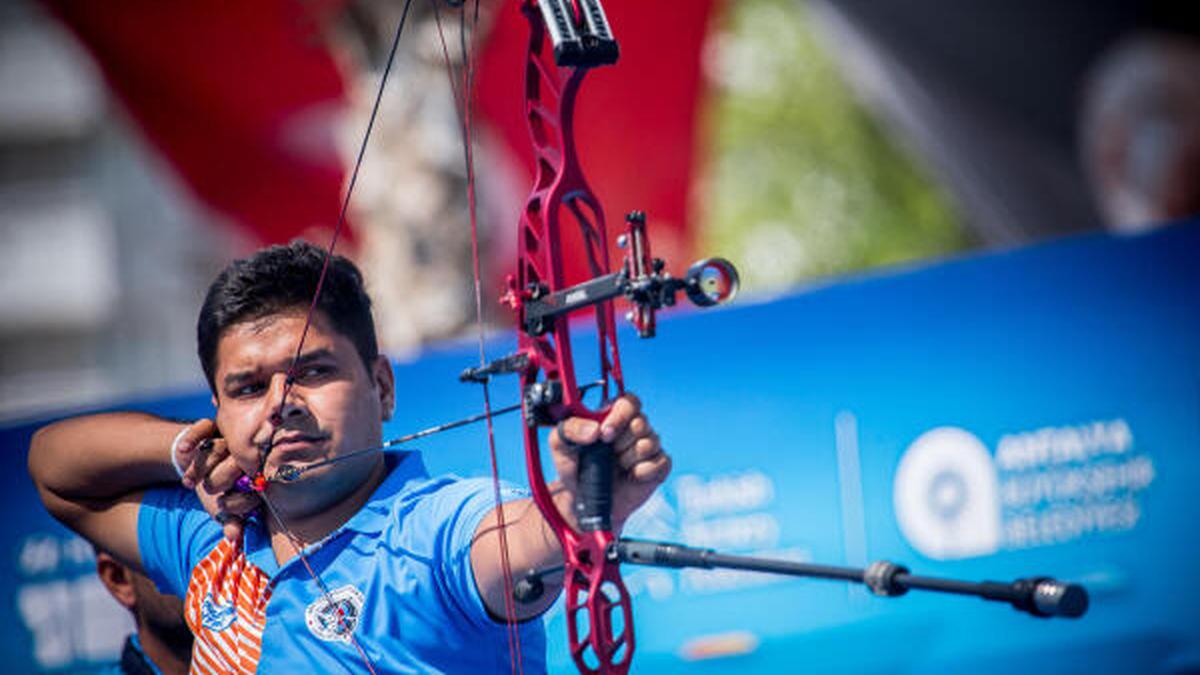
column 1040, row 596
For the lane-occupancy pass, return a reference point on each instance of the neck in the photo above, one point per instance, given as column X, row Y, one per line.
column 171, row 659
column 309, row 529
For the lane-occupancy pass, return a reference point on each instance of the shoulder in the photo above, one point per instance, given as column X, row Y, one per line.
column 434, row 517
column 174, row 532
column 451, row 496
column 174, row 509
column 439, row 503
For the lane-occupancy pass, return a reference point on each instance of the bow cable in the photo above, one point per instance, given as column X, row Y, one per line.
column 464, row 100
column 290, row 378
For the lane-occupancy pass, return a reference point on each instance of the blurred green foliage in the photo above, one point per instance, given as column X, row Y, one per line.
column 803, row 182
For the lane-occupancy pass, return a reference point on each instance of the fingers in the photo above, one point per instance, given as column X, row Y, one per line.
column 224, row 473
column 213, row 467
column 232, row 529
column 639, row 443
column 637, row 430
column 207, row 454
column 188, row 444
column 231, row 525
column 582, row 431
column 575, row 431
column 639, row 453
column 623, row 411
column 200, row 460
column 652, row 470
column 231, row 511
column 635, row 444
column 237, row 504
column 564, row 446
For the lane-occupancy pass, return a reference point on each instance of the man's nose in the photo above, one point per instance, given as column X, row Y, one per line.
column 285, row 401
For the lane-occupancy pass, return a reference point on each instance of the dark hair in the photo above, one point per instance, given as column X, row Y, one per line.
column 280, row 278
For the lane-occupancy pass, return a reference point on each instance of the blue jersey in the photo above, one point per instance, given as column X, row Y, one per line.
column 398, row 573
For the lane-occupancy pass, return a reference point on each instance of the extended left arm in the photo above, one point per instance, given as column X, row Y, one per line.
column 641, row 466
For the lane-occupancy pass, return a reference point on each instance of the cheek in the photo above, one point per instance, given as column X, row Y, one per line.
column 235, row 427
column 226, row 421
column 361, row 418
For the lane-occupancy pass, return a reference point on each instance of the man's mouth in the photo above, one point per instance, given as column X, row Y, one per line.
column 297, row 446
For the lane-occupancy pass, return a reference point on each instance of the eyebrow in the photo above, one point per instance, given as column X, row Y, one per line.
column 234, row 379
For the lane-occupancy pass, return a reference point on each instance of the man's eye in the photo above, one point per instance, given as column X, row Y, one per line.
column 247, row 390
column 314, row 372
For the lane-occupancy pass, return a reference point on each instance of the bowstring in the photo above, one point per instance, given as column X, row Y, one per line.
column 290, row 377
column 298, row 546
column 464, row 104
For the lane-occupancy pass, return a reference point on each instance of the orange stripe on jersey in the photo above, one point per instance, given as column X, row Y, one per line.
column 226, row 608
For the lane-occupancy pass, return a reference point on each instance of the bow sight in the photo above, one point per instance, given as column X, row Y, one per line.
column 642, row 280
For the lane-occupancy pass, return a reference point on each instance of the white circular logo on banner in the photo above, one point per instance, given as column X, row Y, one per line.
column 946, row 495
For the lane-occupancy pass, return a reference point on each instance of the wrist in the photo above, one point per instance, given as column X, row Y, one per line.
column 180, row 444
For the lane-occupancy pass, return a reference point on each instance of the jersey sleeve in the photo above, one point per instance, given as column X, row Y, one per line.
column 174, row 533
column 465, row 504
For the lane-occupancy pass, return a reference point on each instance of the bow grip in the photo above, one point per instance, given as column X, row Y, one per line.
column 594, row 485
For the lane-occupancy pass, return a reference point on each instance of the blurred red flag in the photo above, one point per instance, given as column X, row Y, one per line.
column 239, row 98
column 636, row 123
column 241, row 101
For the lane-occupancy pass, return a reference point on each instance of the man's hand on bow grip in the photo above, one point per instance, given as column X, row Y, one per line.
column 641, row 464
column 212, row 472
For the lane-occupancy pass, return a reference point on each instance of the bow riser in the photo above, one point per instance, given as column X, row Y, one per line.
column 597, row 602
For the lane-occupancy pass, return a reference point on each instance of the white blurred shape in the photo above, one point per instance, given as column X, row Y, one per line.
column 947, row 497
column 72, row 622
column 47, row 85
column 57, row 265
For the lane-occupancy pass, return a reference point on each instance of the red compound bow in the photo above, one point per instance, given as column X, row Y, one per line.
column 567, row 39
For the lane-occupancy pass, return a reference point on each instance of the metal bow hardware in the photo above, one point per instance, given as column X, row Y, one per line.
column 562, row 208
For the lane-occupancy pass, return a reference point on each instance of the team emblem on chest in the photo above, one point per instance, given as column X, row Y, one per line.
column 216, row 616
column 335, row 617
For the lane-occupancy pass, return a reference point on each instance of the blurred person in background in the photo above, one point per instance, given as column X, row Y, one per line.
column 1141, row 131
column 161, row 643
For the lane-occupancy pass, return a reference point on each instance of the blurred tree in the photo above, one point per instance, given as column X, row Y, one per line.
column 803, row 182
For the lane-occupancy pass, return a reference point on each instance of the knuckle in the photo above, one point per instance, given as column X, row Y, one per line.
column 580, row 430
column 562, row 434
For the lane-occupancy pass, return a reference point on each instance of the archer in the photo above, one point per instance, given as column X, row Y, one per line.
column 365, row 559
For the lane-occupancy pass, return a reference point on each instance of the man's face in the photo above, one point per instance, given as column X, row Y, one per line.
column 335, row 406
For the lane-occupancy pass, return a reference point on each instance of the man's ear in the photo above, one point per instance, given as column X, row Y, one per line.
column 117, row 578
column 385, row 384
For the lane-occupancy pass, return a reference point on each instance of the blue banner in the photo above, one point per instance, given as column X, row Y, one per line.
column 1004, row 415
